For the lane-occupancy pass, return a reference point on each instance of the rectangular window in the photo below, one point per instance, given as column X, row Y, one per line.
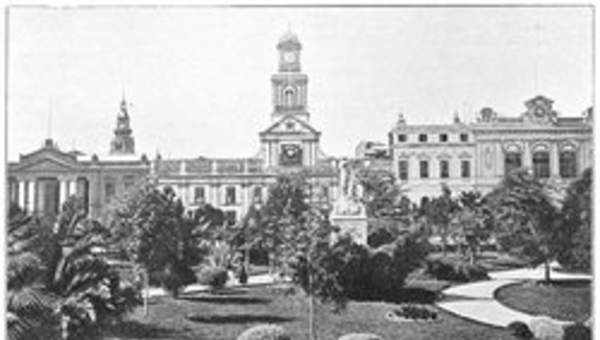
column 199, row 195
column 423, row 137
column 403, row 170
column 567, row 164
column 424, row 169
column 257, row 194
column 443, row 137
column 109, row 191
column 465, row 169
column 444, row 169
column 230, row 217
column 541, row 164
column 401, row 138
column 229, row 195
column 464, row 137
column 128, row 182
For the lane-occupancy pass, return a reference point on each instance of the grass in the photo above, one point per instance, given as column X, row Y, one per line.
column 225, row 316
column 568, row 300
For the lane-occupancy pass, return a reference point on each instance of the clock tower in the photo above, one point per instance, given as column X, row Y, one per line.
column 122, row 142
column 289, row 83
column 290, row 142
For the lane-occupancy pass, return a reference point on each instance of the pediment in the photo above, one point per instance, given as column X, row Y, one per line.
column 46, row 159
column 290, row 125
column 45, row 165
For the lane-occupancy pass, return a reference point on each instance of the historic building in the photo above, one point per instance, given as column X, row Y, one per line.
column 475, row 156
column 288, row 144
column 43, row 179
column 465, row 156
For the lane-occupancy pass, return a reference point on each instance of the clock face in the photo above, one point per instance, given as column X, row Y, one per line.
column 289, row 57
column 539, row 112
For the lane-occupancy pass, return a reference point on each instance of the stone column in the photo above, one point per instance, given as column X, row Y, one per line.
column 30, row 196
column 22, row 194
column 62, row 190
column 554, row 161
column 72, row 188
column 527, row 161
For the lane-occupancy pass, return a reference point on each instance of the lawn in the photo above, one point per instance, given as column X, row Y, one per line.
column 569, row 300
column 225, row 316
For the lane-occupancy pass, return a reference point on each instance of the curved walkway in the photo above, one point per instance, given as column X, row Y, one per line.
column 476, row 300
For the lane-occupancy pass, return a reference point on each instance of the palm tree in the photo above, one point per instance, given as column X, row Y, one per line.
column 30, row 310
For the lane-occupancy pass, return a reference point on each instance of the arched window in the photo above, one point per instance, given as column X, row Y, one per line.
column 541, row 164
column 288, row 95
column 512, row 161
column 567, row 164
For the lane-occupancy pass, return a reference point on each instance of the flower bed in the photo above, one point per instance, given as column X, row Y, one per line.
column 413, row 313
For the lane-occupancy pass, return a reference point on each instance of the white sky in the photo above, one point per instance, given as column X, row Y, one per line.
column 199, row 78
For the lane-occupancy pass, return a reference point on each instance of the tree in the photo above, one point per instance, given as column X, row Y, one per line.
column 439, row 212
column 307, row 254
column 575, row 252
column 473, row 221
column 526, row 221
column 285, row 208
column 62, row 264
column 156, row 234
column 30, row 309
column 381, row 195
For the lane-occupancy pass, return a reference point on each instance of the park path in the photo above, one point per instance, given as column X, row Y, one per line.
column 476, row 301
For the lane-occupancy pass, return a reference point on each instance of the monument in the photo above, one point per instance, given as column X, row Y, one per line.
column 349, row 212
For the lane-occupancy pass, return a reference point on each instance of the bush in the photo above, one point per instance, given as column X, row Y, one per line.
column 173, row 277
column 360, row 336
column 264, row 332
column 416, row 313
column 215, row 277
column 520, row 330
column 455, row 270
column 577, row 331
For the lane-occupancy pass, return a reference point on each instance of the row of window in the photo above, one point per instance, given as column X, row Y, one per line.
column 444, row 167
column 442, row 137
column 230, row 195
column 540, row 161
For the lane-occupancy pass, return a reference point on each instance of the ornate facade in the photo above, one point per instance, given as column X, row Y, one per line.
column 288, row 144
column 464, row 156
column 477, row 155
column 43, row 179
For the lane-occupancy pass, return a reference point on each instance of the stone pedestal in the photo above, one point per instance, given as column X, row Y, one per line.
column 353, row 225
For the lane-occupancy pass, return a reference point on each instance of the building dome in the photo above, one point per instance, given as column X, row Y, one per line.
column 289, row 41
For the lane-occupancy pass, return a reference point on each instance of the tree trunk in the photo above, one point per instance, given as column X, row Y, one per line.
column 311, row 311
column 444, row 242
column 547, row 271
column 146, row 291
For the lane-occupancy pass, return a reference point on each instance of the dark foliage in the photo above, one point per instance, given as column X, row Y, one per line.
column 449, row 269
column 577, row 331
column 215, row 277
column 416, row 312
column 520, row 330
column 576, row 248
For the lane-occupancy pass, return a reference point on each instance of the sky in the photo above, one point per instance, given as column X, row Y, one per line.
column 198, row 78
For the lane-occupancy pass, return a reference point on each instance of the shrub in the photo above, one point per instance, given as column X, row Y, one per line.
column 577, row 331
column 215, row 277
column 360, row 336
column 455, row 270
column 264, row 332
column 173, row 277
column 416, row 313
column 520, row 330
